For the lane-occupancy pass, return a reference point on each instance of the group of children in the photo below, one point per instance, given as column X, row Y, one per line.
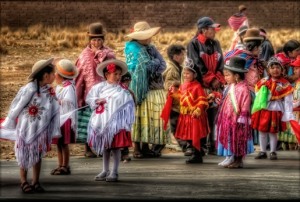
column 41, row 116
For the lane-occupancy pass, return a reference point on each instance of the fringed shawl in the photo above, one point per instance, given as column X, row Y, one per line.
column 66, row 95
column 138, row 60
column 38, row 122
column 233, row 120
column 110, row 118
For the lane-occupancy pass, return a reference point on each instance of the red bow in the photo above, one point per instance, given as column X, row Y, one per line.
column 111, row 68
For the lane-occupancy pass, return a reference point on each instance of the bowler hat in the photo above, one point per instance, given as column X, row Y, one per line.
column 96, row 30
column 236, row 64
column 252, row 34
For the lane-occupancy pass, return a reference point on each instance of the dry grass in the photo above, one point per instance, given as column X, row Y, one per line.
column 58, row 38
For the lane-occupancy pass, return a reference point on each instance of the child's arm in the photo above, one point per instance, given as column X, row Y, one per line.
column 92, row 98
column 18, row 104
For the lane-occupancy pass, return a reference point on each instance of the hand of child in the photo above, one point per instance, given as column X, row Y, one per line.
column 196, row 113
column 100, row 101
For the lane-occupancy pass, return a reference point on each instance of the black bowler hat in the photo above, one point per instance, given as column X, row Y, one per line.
column 236, row 64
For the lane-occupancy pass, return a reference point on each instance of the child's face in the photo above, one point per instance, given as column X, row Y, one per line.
column 294, row 53
column 297, row 71
column 179, row 58
column 188, row 75
column 114, row 77
column 49, row 78
column 126, row 83
column 275, row 71
column 229, row 76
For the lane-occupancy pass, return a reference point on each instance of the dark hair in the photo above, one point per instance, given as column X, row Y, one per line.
column 290, row 46
column 174, row 50
column 250, row 45
column 126, row 77
column 39, row 76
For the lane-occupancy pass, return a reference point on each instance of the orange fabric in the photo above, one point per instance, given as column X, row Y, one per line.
column 296, row 128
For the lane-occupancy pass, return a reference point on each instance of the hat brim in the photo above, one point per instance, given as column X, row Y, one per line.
column 215, row 25
column 143, row 35
column 119, row 63
column 253, row 38
column 42, row 66
column 235, row 69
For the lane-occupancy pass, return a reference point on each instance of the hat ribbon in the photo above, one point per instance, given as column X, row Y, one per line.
column 60, row 69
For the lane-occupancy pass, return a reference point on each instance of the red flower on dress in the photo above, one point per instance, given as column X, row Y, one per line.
column 33, row 110
column 111, row 68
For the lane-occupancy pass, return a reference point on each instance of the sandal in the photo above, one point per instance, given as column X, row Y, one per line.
column 125, row 158
column 55, row 170
column 38, row 188
column 63, row 170
column 27, row 188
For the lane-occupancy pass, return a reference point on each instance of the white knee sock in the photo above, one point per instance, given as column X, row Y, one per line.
column 106, row 157
column 263, row 141
column 117, row 158
column 273, row 142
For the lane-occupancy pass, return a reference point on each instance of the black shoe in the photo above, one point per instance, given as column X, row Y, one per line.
column 194, row 159
column 273, row 156
column 261, row 155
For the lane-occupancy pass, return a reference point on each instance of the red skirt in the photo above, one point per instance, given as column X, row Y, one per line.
column 68, row 135
column 268, row 121
column 121, row 140
column 189, row 128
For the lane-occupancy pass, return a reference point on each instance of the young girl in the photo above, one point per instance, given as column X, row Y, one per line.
column 112, row 117
column 37, row 111
column 66, row 94
column 279, row 107
column 233, row 120
column 192, row 121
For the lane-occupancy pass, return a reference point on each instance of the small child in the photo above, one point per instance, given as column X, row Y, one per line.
column 112, row 117
column 192, row 123
column 37, row 110
column 233, row 119
column 66, row 94
column 279, row 108
column 125, row 82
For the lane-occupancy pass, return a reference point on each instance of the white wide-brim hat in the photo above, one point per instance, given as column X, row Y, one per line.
column 66, row 69
column 143, row 31
column 116, row 62
column 38, row 66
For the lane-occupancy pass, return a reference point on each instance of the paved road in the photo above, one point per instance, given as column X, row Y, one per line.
column 167, row 177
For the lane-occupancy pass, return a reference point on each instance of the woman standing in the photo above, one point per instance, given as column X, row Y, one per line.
column 146, row 65
column 93, row 54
